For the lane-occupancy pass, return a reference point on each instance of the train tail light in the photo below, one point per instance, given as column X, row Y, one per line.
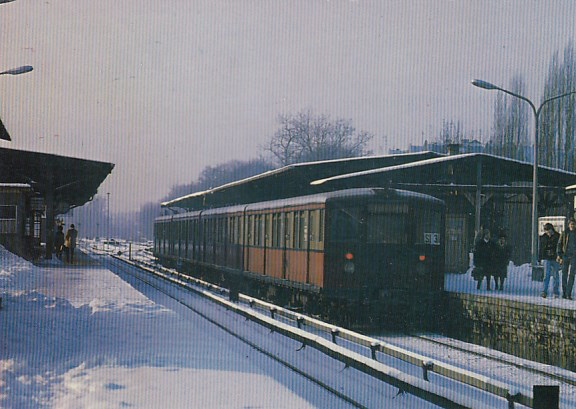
column 349, row 266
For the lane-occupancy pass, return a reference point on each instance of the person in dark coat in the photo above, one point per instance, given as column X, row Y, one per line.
column 567, row 258
column 70, row 242
column 483, row 259
column 548, row 254
column 59, row 242
column 502, row 253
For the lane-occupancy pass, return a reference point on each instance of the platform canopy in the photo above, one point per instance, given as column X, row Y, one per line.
column 461, row 170
column 72, row 181
column 288, row 181
column 401, row 171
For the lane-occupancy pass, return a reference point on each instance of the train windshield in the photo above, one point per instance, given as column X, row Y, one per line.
column 387, row 224
column 346, row 224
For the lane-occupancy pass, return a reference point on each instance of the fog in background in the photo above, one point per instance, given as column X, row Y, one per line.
column 165, row 88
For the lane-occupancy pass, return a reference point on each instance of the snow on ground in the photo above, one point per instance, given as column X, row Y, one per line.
column 518, row 286
column 102, row 344
column 78, row 336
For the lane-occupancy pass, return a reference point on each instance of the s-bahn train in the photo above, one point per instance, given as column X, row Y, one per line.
column 368, row 256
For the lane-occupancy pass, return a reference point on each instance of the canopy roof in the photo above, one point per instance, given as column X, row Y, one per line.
column 73, row 181
column 456, row 170
column 288, row 181
column 425, row 168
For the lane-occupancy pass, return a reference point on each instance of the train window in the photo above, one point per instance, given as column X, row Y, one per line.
column 257, row 230
column 251, row 230
column 268, row 230
column 345, row 224
column 303, row 229
column 221, row 232
column 321, row 226
column 316, row 229
column 288, row 229
column 388, row 228
column 387, row 223
column 240, row 230
column 232, row 230
column 294, row 231
column 276, row 230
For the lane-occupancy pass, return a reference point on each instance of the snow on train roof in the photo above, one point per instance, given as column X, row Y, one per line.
column 308, row 199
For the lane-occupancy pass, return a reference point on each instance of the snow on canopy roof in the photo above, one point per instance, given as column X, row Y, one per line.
column 495, row 170
column 423, row 169
column 293, row 179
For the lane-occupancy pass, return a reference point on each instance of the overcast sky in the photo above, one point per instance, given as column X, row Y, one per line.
column 165, row 88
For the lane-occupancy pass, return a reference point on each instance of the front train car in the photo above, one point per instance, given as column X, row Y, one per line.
column 367, row 256
column 384, row 255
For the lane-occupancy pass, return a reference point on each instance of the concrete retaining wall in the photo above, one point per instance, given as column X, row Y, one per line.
column 536, row 332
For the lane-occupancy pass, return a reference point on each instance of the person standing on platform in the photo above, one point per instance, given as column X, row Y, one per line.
column 71, row 236
column 483, row 258
column 548, row 255
column 502, row 253
column 567, row 258
column 59, row 241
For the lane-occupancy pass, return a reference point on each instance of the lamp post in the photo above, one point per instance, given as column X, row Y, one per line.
column 17, row 71
column 108, row 222
column 536, row 111
column 14, row 71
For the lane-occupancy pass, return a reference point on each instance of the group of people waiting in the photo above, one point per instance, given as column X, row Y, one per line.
column 491, row 258
column 65, row 243
column 558, row 251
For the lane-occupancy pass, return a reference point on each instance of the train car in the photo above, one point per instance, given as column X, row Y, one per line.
column 374, row 254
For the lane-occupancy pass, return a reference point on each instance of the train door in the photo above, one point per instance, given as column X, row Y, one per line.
column 457, row 245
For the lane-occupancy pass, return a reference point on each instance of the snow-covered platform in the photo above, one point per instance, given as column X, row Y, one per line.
column 78, row 336
column 518, row 286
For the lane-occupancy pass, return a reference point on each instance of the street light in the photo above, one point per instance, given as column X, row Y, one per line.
column 17, row 71
column 108, row 222
column 14, row 71
column 536, row 111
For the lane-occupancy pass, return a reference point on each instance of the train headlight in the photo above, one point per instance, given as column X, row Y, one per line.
column 349, row 267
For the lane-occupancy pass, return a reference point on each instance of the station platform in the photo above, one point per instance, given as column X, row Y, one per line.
column 79, row 335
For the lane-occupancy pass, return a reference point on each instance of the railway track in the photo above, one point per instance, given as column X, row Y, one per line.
column 152, row 282
column 414, row 356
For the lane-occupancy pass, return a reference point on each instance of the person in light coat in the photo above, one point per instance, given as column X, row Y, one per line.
column 70, row 243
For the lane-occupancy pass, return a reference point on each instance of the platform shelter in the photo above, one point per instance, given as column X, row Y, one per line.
column 39, row 186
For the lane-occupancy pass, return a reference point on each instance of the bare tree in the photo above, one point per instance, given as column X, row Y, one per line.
column 558, row 119
column 305, row 137
column 451, row 133
column 511, row 127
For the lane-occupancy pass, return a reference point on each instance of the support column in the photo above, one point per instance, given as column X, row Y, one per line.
column 478, row 195
column 49, row 214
